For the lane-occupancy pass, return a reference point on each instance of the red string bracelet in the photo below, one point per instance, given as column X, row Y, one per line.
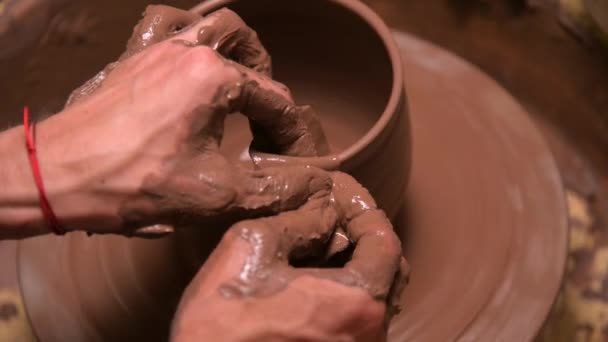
column 47, row 211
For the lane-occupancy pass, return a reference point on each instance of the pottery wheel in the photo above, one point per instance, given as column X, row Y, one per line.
column 485, row 224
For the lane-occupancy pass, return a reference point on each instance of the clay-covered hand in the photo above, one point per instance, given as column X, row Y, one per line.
column 142, row 138
column 248, row 289
column 225, row 32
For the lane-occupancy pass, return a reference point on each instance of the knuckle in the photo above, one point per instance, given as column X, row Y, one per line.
column 203, row 65
column 224, row 13
column 205, row 54
column 264, row 186
column 250, row 230
column 229, row 16
column 200, row 57
column 273, row 184
column 282, row 89
column 383, row 232
column 220, row 192
column 221, row 197
column 232, row 74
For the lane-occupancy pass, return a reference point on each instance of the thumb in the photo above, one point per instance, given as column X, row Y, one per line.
column 277, row 189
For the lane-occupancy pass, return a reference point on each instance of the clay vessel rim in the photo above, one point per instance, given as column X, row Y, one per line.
column 384, row 34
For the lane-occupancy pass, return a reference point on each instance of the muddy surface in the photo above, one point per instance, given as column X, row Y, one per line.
column 562, row 81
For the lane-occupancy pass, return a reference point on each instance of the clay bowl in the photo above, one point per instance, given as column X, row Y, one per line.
column 335, row 55
column 484, row 214
column 339, row 56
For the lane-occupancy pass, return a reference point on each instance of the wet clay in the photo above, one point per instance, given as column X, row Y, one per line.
column 353, row 205
column 199, row 181
column 297, row 132
column 307, row 231
column 329, row 65
column 223, row 31
column 130, row 287
column 252, row 262
column 465, row 228
column 158, row 23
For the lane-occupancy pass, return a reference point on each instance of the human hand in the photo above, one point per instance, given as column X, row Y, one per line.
column 247, row 290
column 138, row 145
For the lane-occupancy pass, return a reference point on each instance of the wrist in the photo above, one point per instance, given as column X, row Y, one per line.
column 69, row 168
column 67, row 182
column 20, row 213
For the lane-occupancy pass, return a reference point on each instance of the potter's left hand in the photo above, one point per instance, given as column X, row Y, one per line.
column 136, row 151
column 248, row 291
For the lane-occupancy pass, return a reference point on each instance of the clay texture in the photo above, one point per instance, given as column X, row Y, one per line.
column 129, row 275
column 465, row 149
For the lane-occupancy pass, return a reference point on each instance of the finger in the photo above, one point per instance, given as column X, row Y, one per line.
column 222, row 30
column 227, row 33
column 376, row 258
column 290, row 129
column 274, row 190
column 207, row 188
column 273, row 241
column 375, row 261
column 304, row 232
column 158, row 23
column 339, row 243
column 304, row 138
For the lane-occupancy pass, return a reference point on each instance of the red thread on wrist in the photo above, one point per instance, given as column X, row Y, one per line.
column 47, row 211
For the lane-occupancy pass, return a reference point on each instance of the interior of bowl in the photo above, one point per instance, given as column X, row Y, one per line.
column 329, row 57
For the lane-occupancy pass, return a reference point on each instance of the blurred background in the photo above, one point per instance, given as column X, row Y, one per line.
column 552, row 55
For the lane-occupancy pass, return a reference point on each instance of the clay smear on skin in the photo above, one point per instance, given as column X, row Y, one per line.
column 337, row 211
column 376, row 265
column 376, row 259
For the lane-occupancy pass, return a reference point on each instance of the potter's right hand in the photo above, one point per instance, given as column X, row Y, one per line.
column 249, row 290
column 142, row 149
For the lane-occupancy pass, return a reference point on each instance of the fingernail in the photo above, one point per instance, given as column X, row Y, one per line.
column 339, row 243
column 205, row 37
column 155, row 231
